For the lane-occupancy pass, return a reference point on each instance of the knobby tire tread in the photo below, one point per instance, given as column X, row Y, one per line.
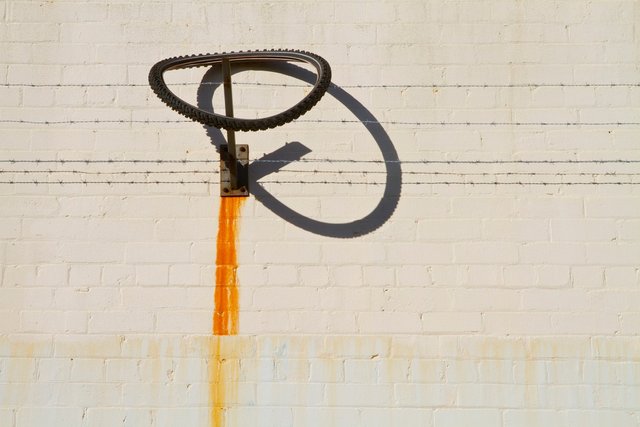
column 159, row 87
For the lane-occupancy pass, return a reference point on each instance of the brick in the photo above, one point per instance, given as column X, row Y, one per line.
column 326, row 370
column 30, row 32
column 612, row 348
column 530, row 417
column 25, row 252
column 458, row 417
column 54, row 416
column 583, row 231
column 530, row 323
column 360, row 371
column 388, row 322
column 112, row 416
column 19, row 276
column 51, row 321
column 26, row 298
column 10, row 96
column 317, row 417
column 19, row 369
column 482, row 276
column 587, row 276
column 355, row 253
column 550, row 208
column 486, row 253
column 518, row 276
column 621, row 277
column 582, row 323
column 7, row 416
column 629, row 323
column 612, row 207
column 578, row 347
column 416, row 299
column 451, row 322
column 264, row 322
column 364, row 395
column 553, row 299
column 375, row 275
column 152, row 275
column 90, row 253
column 347, row 275
column 182, row 321
column 246, row 415
column 287, row 253
column 495, row 372
column 553, row 253
column 289, row 394
column 185, row 274
column 120, row 322
column 491, row 395
column 410, row 275
column 553, row 275
column 421, row 395
column 516, row 229
column 480, row 299
column 630, row 230
column 612, row 254
column 419, row 253
column 349, row 299
column 157, row 252
column 87, row 370
column 483, row 207
column 449, row 230
column 290, row 298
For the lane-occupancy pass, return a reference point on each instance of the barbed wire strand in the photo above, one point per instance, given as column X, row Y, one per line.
column 330, row 121
column 320, row 160
column 356, row 86
column 317, row 172
column 207, row 182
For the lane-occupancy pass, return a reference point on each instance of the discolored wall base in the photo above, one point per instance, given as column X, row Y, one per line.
column 318, row 381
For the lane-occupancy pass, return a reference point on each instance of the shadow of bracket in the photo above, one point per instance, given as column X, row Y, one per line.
column 291, row 152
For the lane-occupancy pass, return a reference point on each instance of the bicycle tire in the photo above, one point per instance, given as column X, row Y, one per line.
column 159, row 86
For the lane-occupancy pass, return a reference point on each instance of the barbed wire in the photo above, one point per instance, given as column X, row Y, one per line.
column 90, row 161
column 317, row 172
column 331, row 121
column 208, row 182
column 356, row 86
column 326, row 172
column 79, row 172
column 321, row 160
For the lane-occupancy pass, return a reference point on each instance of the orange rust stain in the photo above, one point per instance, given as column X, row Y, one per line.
column 216, row 385
column 225, row 315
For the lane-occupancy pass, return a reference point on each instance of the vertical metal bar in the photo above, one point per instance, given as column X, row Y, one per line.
column 231, row 135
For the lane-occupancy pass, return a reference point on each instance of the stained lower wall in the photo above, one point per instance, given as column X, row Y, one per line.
column 283, row 380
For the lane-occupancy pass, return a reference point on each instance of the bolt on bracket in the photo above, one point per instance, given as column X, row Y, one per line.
column 239, row 162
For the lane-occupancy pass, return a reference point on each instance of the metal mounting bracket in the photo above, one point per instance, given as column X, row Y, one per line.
column 234, row 158
column 239, row 162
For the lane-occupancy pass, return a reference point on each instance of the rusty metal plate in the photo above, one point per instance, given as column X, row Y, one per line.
column 241, row 175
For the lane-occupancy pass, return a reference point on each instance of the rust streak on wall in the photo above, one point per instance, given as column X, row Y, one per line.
column 225, row 315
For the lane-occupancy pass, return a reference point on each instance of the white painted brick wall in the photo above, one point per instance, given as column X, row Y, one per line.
column 473, row 304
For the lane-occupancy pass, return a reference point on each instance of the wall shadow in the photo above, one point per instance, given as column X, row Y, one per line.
column 293, row 151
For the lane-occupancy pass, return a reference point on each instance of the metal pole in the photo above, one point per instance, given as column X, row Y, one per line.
column 231, row 135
